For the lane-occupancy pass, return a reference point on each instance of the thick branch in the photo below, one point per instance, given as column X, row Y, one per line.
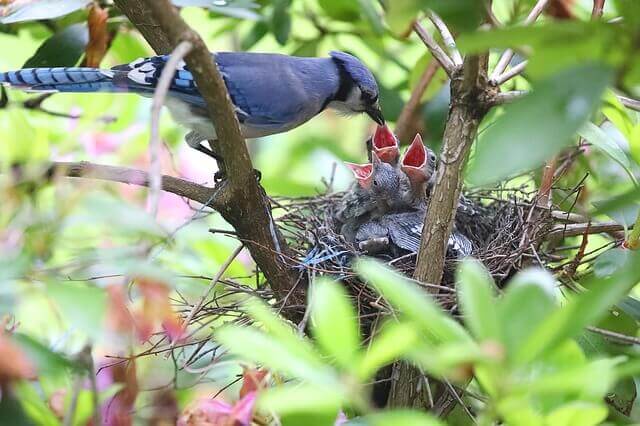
column 242, row 201
column 467, row 94
column 142, row 18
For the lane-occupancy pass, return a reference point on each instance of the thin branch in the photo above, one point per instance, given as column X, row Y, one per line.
column 512, row 72
column 447, row 38
column 159, row 96
column 84, row 169
column 403, row 125
column 619, row 337
column 576, row 229
column 630, row 103
column 507, row 97
column 598, row 8
column 507, row 55
column 437, row 52
column 536, row 11
column 198, row 306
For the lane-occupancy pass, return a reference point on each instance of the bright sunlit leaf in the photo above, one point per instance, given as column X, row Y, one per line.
column 539, row 125
column 334, row 322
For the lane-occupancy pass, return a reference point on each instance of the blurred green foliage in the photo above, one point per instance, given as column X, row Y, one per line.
column 74, row 252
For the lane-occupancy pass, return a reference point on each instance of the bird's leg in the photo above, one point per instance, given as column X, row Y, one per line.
column 194, row 140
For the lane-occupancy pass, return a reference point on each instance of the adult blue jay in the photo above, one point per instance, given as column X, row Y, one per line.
column 271, row 93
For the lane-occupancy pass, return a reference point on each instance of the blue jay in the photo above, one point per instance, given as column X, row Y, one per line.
column 272, row 93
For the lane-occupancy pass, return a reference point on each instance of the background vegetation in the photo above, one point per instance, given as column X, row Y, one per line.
column 94, row 288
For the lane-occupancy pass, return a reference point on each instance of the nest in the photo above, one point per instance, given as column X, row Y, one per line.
column 503, row 240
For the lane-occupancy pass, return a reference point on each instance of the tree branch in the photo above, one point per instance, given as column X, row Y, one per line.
column 507, row 97
column 240, row 199
column 468, row 96
column 447, row 38
column 506, row 57
column 598, row 7
column 508, row 75
column 405, row 125
column 577, row 229
column 84, row 169
column 159, row 96
column 437, row 52
column 630, row 103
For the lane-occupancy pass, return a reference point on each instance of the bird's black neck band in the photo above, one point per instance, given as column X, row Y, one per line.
column 345, row 85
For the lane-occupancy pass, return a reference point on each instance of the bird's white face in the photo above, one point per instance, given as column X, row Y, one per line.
column 354, row 103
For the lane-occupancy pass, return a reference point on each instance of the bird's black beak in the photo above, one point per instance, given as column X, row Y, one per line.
column 376, row 115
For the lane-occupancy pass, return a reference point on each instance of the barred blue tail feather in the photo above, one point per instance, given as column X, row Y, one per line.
column 79, row 80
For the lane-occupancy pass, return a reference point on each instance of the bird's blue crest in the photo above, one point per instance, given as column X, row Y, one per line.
column 358, row 72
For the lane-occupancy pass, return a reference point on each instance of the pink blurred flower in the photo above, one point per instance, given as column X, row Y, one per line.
column 212, row 412
column 117, row 410
column 341, row 419
column 100, row 143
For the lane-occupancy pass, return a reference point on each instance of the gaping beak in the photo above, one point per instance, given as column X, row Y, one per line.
column 376, row 115
column 363, row 173
column 415, row 163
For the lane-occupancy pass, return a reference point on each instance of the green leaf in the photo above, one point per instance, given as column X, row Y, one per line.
column 581, row 311
column 82, row 305
column 258, row 31
column 368, row 9
column 32, row 404
column 596, row 136
column 549, row 116
column 459, row 15
column 527, row 301
column 256, row 346
column 412, row 301
column 281, row 21
column 556, row 46
column 449, row 359
column 334, row 322
column 340, row 10
column 610, row 261
column 476, row 295
column 48, row 362
column 39, row 9
column 578, row 413
column 401, row 417
column 280, row 330
column 393, row 342
column 241, row 9
column 63, row 49
column 303, row 398
column 401, row 13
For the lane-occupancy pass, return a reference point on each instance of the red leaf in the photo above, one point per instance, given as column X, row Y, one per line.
column 156, row 310
column 119, row 319
column 253, row 380
column 98, row 36
column 14, row 364
column 560, row 9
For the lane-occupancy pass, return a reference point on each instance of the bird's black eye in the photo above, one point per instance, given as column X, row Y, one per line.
column 375, row 182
